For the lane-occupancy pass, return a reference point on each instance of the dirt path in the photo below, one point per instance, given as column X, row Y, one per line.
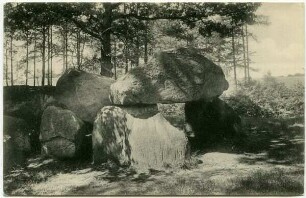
column 218, row 174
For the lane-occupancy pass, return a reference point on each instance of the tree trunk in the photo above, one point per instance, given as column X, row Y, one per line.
column 247, row 52
column 126, row 59
column 219, row 52
column 137, row 54
column 146, row 50
column 234, row 56
column 34, row 75
column 43, row 56
column 83, row 47
column 146, row 43
column 64, row 48
column 115, row 60
column 106, row 64
column 78, row 50
column 126, row 50
column 51, row 54
column 244, row 57
column 27, row 58
column 11, row 52
column 48, row 55
column 6, row 62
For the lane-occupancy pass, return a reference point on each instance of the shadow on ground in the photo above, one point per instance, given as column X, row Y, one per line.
column 269, row 162
column 276, row 141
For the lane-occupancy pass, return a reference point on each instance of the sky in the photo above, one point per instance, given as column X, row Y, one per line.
column 280, row 48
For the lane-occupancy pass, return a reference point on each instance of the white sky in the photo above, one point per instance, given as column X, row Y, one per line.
column 280, row 47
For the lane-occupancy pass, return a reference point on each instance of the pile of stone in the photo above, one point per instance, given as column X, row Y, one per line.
column 22, row 110
column 66, row 123
column 128, row 127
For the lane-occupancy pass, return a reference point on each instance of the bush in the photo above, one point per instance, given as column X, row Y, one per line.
column 268, row 98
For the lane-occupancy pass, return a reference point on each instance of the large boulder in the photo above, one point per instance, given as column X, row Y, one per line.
column 28, row 104
column 151, row 143
column 83, row 93
column 212, row 123
column 16, row 141
column 63, row 134
column 173, row 76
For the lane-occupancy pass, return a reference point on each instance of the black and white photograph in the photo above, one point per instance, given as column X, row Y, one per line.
column 152, row 98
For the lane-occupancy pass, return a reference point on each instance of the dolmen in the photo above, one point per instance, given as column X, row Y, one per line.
column 123, row 118
column 151, row 142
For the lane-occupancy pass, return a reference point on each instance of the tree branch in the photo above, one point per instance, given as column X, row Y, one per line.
column 148, row 18
column 83, row 27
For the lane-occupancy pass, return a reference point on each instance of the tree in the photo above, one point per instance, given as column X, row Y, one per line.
column 235, row 16
column 10, row 29
column 132, row 24
column 38, row 17
column 99, row 20
column 6, row 62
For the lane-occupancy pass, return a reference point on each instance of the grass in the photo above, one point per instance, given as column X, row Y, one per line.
column 21, row 178
column 281, row 139
column 218, row 174
column 271, row 162
column 275, row 182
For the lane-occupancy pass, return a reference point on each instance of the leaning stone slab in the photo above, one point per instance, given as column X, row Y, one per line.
column 151, row 143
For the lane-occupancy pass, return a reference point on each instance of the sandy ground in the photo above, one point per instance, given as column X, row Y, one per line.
column 217, row 174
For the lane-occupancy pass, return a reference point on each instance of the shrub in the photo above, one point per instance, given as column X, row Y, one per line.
column 268, row 98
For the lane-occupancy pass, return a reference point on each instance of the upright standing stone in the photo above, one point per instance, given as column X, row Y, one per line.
column 143, row 143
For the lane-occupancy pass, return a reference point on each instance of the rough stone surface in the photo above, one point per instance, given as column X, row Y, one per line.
column 16, row 141
column 211, row 123
column 143, row 143
column 62, row 133
column 173, row 76
column 141, row 111
column 27, row 103
column 83, row 93
column 18, row 130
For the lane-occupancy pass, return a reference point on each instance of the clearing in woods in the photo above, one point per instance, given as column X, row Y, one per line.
column 275, row 168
